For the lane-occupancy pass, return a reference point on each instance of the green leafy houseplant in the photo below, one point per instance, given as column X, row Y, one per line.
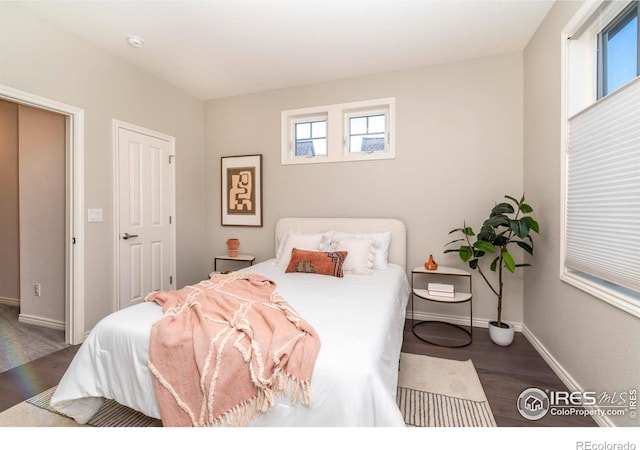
column 508, row 224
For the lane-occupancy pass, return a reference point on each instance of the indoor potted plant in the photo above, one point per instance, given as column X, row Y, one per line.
column 507, row 224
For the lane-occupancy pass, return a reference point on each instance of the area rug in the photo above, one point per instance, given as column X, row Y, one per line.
column 37, row 412
column 432, row 392
column 436, row 392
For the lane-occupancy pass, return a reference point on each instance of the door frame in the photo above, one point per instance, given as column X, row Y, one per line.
column 117, row 126
column 74, row 199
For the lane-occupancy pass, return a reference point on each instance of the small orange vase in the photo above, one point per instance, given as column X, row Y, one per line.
column 431, row 264
column 232, row 246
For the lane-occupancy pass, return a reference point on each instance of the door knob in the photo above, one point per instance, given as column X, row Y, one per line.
column 126, row 236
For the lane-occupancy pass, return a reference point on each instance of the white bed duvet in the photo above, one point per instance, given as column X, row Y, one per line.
column 360, row 322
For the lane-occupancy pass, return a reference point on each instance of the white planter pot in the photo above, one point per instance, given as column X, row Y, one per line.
column 501, row 336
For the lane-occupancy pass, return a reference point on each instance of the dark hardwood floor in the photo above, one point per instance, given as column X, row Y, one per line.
column 23, row 382
column 503, row 371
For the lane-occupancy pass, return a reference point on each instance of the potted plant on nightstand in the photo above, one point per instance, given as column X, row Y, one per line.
column 508, row 224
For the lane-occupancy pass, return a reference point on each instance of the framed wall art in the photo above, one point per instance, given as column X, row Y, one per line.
column 242, row 190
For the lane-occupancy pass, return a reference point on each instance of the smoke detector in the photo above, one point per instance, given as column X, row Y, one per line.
column 135, row 41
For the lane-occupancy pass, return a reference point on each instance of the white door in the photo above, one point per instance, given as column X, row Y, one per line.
column 145, row 222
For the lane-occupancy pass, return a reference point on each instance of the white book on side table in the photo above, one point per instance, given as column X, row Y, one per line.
column 441, row 290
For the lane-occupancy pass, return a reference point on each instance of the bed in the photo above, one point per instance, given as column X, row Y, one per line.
column 359, row 318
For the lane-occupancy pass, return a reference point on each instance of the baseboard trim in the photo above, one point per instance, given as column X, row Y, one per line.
column 10, row 301
column 563, row 374
column 458, row 320
column 41, row 322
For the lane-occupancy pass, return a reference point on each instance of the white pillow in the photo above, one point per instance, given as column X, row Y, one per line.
column 360, row 254
column 382, row 241
column 303, row 241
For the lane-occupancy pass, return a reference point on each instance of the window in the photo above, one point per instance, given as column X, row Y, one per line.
column 342, row 132
column 366, row 133
column 618, row 51
column 310, row 138
column 601, row 155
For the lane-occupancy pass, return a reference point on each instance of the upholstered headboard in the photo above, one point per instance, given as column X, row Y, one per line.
column 397, row 246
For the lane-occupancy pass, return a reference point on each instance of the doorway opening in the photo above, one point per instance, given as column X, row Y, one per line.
column 74, row 204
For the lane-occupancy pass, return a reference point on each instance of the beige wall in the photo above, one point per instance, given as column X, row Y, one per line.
column 33, row 205
column 9, row 215
column 594, row 342
column 458, row 150
column 39, row 58
column 41, row 136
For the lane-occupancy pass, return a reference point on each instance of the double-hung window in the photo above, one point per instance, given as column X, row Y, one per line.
column 601, row 154
column 342, row 132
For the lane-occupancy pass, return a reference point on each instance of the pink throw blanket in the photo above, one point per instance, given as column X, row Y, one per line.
column 225, row 348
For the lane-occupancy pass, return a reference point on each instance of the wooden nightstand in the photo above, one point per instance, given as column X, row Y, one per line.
column 459, row 297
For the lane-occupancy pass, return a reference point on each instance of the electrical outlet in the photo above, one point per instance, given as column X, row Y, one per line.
column 36, row 289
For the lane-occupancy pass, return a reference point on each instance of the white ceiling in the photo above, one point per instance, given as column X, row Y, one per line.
column 221, row 48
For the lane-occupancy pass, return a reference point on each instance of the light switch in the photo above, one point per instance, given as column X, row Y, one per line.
column 94, row 215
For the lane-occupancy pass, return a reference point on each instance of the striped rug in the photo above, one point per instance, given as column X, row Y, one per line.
column 436, row 392
column 111, row 414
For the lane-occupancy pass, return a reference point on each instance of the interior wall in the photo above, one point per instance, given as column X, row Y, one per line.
column 41, row 136
column 458, row 151
column 9, row 214
column 594, row 342
column 42, row 59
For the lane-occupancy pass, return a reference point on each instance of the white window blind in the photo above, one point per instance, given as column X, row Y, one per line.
column 603, row 189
